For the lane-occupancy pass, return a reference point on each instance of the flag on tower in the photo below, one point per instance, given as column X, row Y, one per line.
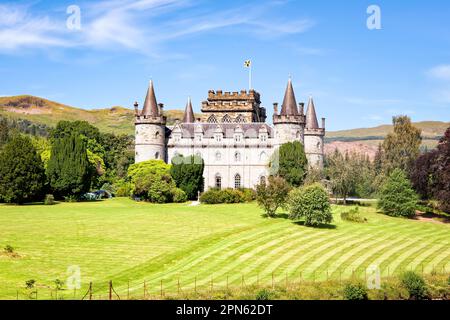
column 247, row 63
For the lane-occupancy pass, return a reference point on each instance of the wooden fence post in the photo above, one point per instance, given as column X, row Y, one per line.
column 145, row 290
column 128, row 290
column 161, row 288
column 110, row 289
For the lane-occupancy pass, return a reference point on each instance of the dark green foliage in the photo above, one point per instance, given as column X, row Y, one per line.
column 248, row 194
column 217, row 196
column 355, row 292
column 49, row 200
column 397, row 198
column 442, row 173
column 9, row 249
column 4, row 132
column 29, row 284
column 272, row 195
column 311, row 204
column 22, row 174
column 416, row 286
column 353, row 215
column 69, row 170
column 188, row 174
column 65, row 129
column 290, row 163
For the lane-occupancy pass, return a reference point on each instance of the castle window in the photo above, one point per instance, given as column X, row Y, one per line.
column 263, row 156
column 212, row 119
column 218, row 138
column 298, row 136
column 218, row 181
column 199, row 138
column 263, row 137
column 218, row 156
column 318, row 145
column 262, row 180
column 157, row 134
column 226, row 119
column 157, row 155
column 237, row 181
column 237, row 157
column 237, row 138
column 240, row 119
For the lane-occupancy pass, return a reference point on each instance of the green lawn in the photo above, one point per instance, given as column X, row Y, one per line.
column 125, row 241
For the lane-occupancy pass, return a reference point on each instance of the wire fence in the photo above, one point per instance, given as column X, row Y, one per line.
column 181, row 286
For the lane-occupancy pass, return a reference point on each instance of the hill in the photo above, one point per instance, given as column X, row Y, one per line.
column 42, row 111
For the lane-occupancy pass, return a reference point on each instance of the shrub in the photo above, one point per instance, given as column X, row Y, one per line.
column 179, row 196
column 263, row 294
column 415, row 285
column 290, row 163
column 49, row 200
column 355, row 292
column 59, row 284
column 397, row 198
column 310, row 203
column 216, row 196
column 29, row 284
column 123, row 188
column 353, row 216
column 249, row 194
column 9, row 249
column 272, row 195
column 187, row 173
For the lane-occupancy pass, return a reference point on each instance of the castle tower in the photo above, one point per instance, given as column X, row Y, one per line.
column 289, row 124
column 314, row 136
column 189, row 113
column 150, row 127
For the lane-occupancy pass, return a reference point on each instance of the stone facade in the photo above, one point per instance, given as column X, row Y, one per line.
column 231, row 136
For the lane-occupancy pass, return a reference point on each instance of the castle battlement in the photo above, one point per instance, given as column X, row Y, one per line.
column 243, row 95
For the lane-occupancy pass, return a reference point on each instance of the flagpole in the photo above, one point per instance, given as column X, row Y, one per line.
column 250, row 77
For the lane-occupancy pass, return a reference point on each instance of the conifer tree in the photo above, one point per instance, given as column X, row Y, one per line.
column 22, row 175
column 290, row 163
column 69, row 170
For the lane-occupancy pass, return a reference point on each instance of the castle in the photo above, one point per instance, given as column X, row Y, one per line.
column 231, row 135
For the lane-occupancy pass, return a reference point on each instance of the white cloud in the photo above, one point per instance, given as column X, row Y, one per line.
column 441, row 72
column 143, row 26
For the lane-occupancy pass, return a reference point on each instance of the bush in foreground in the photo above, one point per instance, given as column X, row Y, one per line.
column 310, row 203
column 355, row 292
column 415, row 285
column 397, row 198
column 353, row 215
column 218, row 196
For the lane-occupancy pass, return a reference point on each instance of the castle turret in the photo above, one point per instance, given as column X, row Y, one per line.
column 150, row 127
column 289, row 124
column 189, row 113
column 314, row 136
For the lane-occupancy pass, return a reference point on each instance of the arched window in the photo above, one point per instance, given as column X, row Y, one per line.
column 262, row 179
column 226, row 119
column 237, row 157
column 263, row 156
column 157, row 155
column 218, row 156
column 157, row 134
column 297, row 135
column 212, row 119
column 218, row 182
column 237, row 181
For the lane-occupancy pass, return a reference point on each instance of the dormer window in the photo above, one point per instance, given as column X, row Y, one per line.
column 218, row 137
column 263, row 137
column 237, row 138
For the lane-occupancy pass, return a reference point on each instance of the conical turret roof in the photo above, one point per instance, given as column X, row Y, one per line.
column 189, row 113
column 311, row 117
column 150, row 104
column 289, row 106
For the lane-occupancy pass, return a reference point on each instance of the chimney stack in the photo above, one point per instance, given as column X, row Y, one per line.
column 275, row 108
column 136, row 108
column 301, row 108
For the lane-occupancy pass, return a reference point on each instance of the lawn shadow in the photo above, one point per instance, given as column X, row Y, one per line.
column 320, row 226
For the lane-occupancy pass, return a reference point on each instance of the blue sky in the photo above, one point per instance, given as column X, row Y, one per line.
column 358, row 77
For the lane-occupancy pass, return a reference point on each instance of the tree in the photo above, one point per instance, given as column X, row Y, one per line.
column 397, row 198
column 423, row 175
column 290, row 163
column 342, row 173
column 152, row 181
column 441, row 169
column 4, row 132
column 401, row 147
column 310, row 203
column 188, row 174
column 69, row 170
column 22, row 175
column 272, row 195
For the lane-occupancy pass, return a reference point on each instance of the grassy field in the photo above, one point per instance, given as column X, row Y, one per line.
column 131, row 243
